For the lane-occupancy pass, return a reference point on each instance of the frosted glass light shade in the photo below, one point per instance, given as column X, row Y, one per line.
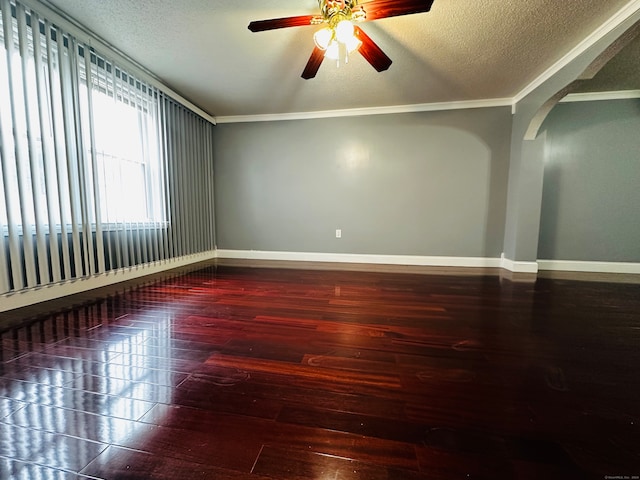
column 344, row 31
column 323, row 38
column 352, row 44
column 333, row 51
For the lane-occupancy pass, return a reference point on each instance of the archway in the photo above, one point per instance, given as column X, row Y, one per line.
column 528, row 142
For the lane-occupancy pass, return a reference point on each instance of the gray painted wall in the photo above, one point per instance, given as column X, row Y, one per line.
column 591, row 193
column 431, row 183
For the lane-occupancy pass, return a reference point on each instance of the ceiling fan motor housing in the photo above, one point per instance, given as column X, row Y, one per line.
column 333, row 11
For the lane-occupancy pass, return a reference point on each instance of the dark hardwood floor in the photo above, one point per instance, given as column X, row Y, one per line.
column 240, row 373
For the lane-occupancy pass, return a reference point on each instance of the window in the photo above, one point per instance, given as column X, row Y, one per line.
column 127, row 157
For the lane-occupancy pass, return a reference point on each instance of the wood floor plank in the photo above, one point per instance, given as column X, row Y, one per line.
column 11, row 468
column 366, row 425
column 126, row 464
column 371, row 450
column 46, row 449
column 278, row 462
column 369, row 378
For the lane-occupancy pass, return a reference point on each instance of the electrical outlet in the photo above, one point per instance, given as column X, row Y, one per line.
column 338, row 233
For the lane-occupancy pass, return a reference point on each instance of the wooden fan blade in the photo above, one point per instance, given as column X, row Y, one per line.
column 393, row 8
column 299, row 21
column 315, row 60
column 372, row 52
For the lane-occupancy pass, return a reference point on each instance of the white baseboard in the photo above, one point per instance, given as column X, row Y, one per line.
column 594, row 267
column 31, row 296
column 412, row 260
column 517, row 266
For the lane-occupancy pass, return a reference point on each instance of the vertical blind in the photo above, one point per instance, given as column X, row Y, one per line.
column 100, row 170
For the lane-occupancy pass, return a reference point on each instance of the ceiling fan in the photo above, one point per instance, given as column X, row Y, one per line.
column 339, row 37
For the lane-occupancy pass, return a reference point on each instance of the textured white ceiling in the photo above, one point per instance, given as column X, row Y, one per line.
column 461, row 50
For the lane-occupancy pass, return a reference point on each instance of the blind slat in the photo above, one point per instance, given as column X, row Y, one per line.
column 93, row 178
column 48, row 156
column 11, row 168
column 68, row 116
column 36, row 262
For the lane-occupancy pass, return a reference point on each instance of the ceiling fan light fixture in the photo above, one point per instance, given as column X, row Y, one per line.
column 338, row 40
column 339, row 37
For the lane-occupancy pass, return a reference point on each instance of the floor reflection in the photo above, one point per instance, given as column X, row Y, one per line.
column 72, row 384
column 271, row 373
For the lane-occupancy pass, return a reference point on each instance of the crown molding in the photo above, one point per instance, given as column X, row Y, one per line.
column 422, row 107
column 354, row 112
column 598, row 96
column 626, row 12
